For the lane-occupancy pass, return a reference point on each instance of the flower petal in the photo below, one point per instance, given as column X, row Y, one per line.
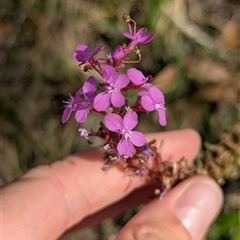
column 113, row 122
column 147, row 38
column 147, row 103
column 83, row 47
column 121, row 81
column 97, row 50
column 90, row 99
column 141, row 32
column 90, row 85
column 83, row 53
column 81, row 115
column 128, row 35
column 130, row 28
column 143, row 93
column 137, row 138
column 125, row 147
column 130, row 120
column 109, row 74
column 66, row 114
column 78, row 93
column 136, row 76
column 102, row 101
column 162, row 117
column 117, row 99
column 156, row 95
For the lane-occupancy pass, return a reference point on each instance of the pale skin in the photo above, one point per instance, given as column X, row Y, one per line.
column 74, row 193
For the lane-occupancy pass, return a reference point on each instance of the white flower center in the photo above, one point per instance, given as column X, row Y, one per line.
column 127, row 133
column 112, row 89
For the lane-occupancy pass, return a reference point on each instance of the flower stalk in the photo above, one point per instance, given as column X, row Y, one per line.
column 124, row 146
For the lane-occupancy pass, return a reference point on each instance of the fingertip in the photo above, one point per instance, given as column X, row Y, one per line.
column 194, row 136
column 185, row 212
column 174, row 145
column 197, row 205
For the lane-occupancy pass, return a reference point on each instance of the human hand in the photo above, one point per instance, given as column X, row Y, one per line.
column 49, row 200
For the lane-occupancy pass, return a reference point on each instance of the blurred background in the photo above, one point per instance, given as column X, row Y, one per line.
column 194, row 58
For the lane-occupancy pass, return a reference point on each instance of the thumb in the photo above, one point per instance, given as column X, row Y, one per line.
column 184, row 213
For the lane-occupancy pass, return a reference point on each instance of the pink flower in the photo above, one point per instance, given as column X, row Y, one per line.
column 124, row 126
column 154, row 100
column 83, row 53
column 138, row 37
column 80, row 102
column 113, row 85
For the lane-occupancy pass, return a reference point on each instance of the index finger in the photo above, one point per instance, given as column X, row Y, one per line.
column 50, row 199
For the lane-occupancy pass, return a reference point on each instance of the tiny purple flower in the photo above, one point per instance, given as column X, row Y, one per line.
column 138, row 37
column 81, row 101
column 137, row 77
column 146, row 152
column 154, row 100
column 107, row 147
column 84, row 133
column 141, row 171
column 113, row 85
column 124, row 126
column 108, row 60
column 83, row 53
column 71, row 105
column 105, row 167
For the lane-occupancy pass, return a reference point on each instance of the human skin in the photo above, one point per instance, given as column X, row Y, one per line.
column 74, row 193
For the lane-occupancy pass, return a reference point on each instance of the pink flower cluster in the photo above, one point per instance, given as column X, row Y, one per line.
column 122, row 142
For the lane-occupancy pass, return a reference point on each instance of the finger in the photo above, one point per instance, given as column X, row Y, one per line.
column 185, row 213
column 141, row 195
column 60, row 195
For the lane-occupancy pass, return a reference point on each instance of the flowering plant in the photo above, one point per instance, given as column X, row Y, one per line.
column 123, row 145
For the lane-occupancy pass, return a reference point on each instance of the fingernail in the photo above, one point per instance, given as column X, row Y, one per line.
column 197, row 206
